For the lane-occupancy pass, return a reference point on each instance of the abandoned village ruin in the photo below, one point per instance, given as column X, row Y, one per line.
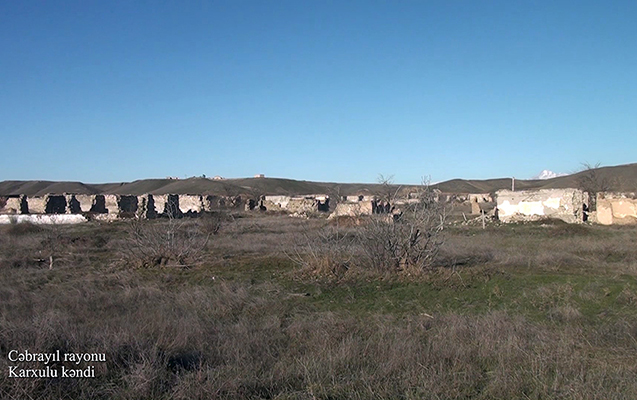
column 568, row 205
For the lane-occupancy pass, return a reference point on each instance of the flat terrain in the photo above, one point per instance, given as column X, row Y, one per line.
column 256, row 306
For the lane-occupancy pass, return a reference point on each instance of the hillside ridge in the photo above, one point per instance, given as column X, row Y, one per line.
column 617, row 178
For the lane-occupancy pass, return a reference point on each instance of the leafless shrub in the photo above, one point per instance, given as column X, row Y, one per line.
column 387, row 191
column 175, row 241
column 408, row 240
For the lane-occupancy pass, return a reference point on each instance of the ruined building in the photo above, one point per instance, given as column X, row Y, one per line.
column 568, row 205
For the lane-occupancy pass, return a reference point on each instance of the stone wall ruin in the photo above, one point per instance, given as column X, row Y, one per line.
column 190, row 204
column 13, row 205
column 352, row 209
column 616, row 208
column 79, row 203
column 568, row 205
column 295, row 204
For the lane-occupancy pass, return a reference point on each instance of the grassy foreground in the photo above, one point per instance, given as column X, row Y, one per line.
column 529, row 311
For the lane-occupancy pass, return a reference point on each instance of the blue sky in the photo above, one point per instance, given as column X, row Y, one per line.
column 106, row 91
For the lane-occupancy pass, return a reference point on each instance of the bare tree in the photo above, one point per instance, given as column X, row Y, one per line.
column 590, row 180
column 387, row 190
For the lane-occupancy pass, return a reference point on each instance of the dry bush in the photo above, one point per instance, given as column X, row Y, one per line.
column 176, row 241
column 408, row 241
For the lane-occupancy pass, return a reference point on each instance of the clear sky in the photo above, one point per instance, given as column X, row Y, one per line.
column 107, row 91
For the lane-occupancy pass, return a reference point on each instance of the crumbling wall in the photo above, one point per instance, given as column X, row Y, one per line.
column 276, row 202
column 301, row 205
column 616, row 208
column 352, row 209
column 159, row 203
column 191, row 204
column 73, row 205
column 381, row 207
column 480, row 203
column 145, row 207
column 215, row 203
column 14, row 205
column 86, row 202
column 111, row 203
column 37, row 204
column 250, row 205
column 527, row 205
column 79, row 203
column 355, row 198
column 99, row 204
column 480, row 197
column 475, row 206
column 211, row 203
column 323, row 205
column 166, row 205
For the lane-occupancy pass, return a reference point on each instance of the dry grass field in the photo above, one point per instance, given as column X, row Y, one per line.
column 273, row 307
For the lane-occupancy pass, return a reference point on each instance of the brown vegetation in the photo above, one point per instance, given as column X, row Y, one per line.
column 542, row 310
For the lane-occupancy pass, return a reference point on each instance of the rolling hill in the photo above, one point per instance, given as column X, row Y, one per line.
column 616, row 178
